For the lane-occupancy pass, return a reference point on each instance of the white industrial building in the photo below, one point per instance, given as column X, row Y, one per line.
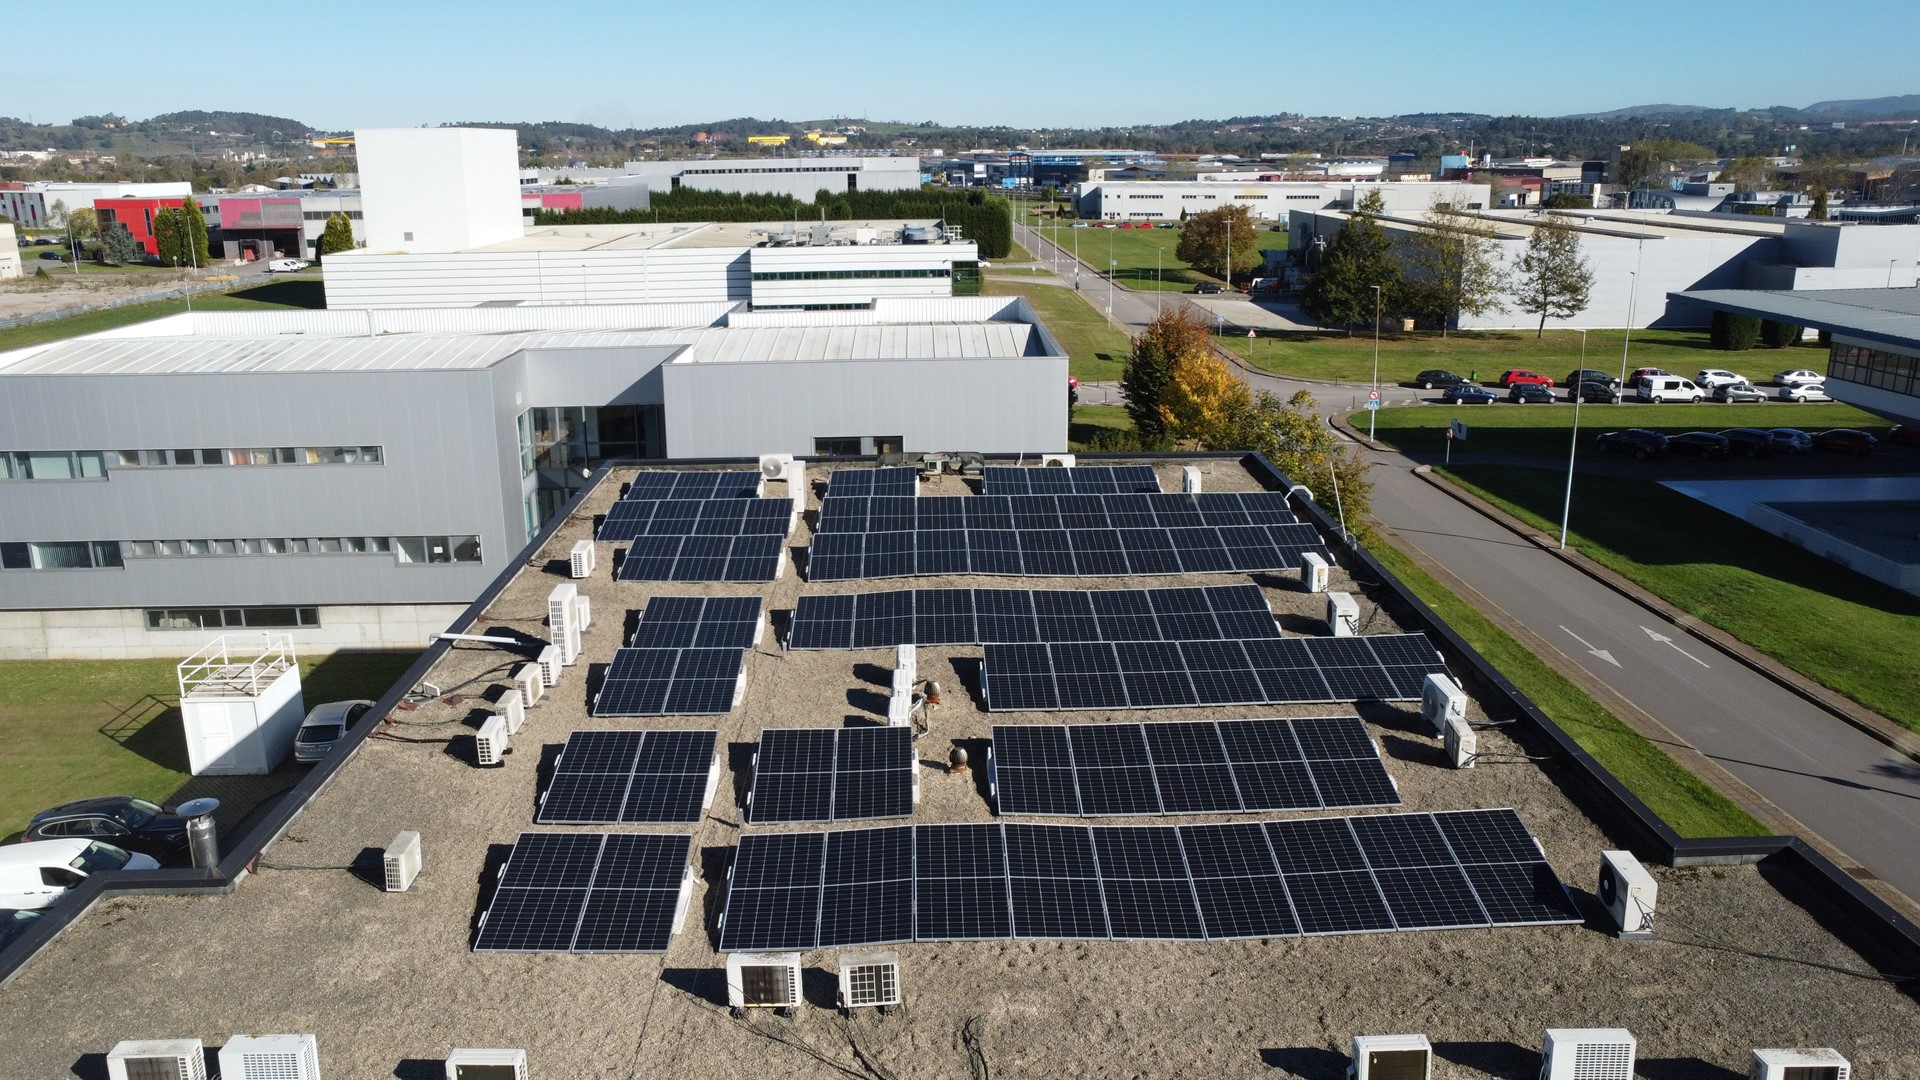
column 1271, row 200
column 44, row 204
column 9, row 253
column 439, row 189
column 800, row 177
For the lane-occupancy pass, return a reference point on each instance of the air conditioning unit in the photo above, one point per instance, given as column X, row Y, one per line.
column 763, row 981
column 1442, row 701
column 580, row 560
column 906, row 666
column 1343, row 615
column 563, row 620
column 160, row 1059
column 583, row 612
column 468, row 1064
column 1057, row 460
column 1315, row 574
column 1587, row 1054
column 515, row 710
column 532, row 686
column 401, row 862
column 776, row 466
column 549, row 661
column 491, row 743
column 870, row 980
column 1630, row 894
column 797, row 488
column 1822, row 1064
column 1391, row 1057
column 1463, row 744
column 270, row 1057
column 900, row 708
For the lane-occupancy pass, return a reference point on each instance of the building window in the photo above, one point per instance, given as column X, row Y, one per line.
column 238, row 456
column 1875, row 367
column 405, row 549
column 837, row 447
column 60, row 555
column 53, row 465
column 275, row 618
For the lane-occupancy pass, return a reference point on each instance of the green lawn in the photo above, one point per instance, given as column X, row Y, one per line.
column 1350, row 359
column 1017, row 254
column 1089, row 420
column 1136, row 251
column 1095, row 350
column 75, row 728
column 1843, row 630
column 288, row 292
column 1543, row 430
column 1688, row 805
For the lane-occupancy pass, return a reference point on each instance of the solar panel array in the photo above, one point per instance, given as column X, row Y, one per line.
column 629, row 777
column 702, row 558
column 632, row 518
column 681, row 484
column 1471, row 868
column 702, row 622
column 888, row 481
column 832, row 774
column 586, row 893
column 1076, row 480
column 1168, row 674
column 979, row 616
column 669, row 682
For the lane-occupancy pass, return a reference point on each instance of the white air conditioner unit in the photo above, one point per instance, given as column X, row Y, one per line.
column 796, row 490
column 583, row 612
column 581, row 559
column 515, row 710
column 549, row 661
column 1821, row 1064
column 1463, row 744
column 900, row 707
column 1057, row 460
column 1442, row 701
column 1315, row 574
column 470, row 1064
column 1629, row 893
column 401, row 863
column 270, row 1057
column 776, row 466
column 1587, row 1054
column 763, row 981
column 563, row 619
column 157, row 1059
column 1190, row 479
column 1343, row 614
column 491, row 744
column 527, row 679
column 870, row 980
column 1391, row 1057
column 906, row 666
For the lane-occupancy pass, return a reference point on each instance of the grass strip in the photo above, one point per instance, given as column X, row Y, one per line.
column 1096, row 351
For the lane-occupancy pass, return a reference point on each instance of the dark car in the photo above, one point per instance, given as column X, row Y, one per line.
column 1845, row 441
column 1530, row 394
column 1904, row 435
column 1740, row 391
column 1639, row 442
column 1466, row 393
column 1791, row 440
column 1206, row 287
column 45, row 241
column 1598, row 393
column 120, row 820
column 1574, row 378
column 1700, row 444
column 1436, row 379
column 1748, row 441
column 55, row 256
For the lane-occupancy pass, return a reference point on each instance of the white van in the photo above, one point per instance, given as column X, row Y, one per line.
column 1668, row 388
column 287, row 266
column 37, row 875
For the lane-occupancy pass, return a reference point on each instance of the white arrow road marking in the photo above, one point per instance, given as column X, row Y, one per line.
column 1601, row 653
column 1668, row 642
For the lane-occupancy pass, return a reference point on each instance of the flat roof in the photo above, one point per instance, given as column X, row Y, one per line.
column 1888, row 316
column 1520, row 224
column 389, row 982
column 707, row 234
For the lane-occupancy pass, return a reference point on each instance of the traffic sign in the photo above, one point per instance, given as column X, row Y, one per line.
column 1457, row 431
column 1373, row 395
column 1373, row 404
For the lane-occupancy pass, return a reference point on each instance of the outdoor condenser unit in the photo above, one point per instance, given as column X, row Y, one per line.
column 515, row 710
column 472, row 1064
column 869, row 980
column 158, row 1059
column 401, row 862
column 1463, row 744
column 1630, row 895
column 270, row 1057
column 1587, row 1054
column 763, row 980
column 1343, row 614
column 1315, row 574
column 583, row 612
column 550, row 662
column 564, row 623
column 1441, row 702
column 1821, row 1064
column 490, row 745
column 526, row 679
column 1391, row 1057
column 1190, row 479
column 581, row 559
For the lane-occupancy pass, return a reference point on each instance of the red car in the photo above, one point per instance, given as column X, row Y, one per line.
column 1523, row 377
column 1904, row 435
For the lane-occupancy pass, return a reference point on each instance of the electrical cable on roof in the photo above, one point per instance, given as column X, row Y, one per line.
column 1710, row 942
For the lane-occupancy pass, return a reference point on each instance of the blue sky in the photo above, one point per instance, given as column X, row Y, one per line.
column 1071, row 63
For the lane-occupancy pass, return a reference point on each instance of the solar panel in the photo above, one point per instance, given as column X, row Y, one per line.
column 753, row 557
column 653, row 681
column 586, row 892
column 632, row 777
column 1018, row 677
column 943, row 617
column 892, row 513
column 832, row 774
column 1082, row 479
column 867, row 888
column 773, row 893
column 1054, row 883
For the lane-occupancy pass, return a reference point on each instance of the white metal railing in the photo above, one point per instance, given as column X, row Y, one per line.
column 236, row 664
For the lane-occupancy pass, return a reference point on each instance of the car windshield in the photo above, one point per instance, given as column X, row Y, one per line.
column 319, row 733
column 136, row 813
column 99, row 856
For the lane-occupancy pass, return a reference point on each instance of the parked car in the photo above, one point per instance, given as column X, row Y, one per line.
column 1791, row 440
column 1079, row 224
column 1163, row 225
column 1904, row 435
column 55, row 256
column 1578, row 376
column 1709, row 378
column 1639, row 442
column 1466, row 393
column 1523, row 376
column 1435, row 378
column 1804, row 392
column 1748, row 441
column 1796, row 377
column 1530, row 394
column 1595, row 393
column 1700, row 444
column 35, row 876
column 1658, row 388
column 44, row 241
column 326, row 725
column 1845, row 441
column 1206, row 287
column 1633, row 380
column 1740, row 391
column 287, row 266
column 121, row 820
column 14, row 923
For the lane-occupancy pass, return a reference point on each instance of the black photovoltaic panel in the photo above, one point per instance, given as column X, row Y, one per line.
column 703, row 558
column 980, row 616
column 832, row 774
column 708, row 622
column 1085, row 479
column 630, row 777
column 1166, row 674
column 657, row 682
column 631, row 518
column 1199, row 767
column 692, row 485
column 888, row 481
column 1274, row 879
column 586, row 892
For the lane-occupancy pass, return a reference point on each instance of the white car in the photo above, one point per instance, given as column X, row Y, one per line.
column 1804, row 392
column 1712, row 377
column 37, row 875
column 325, row 726
column 287, row 266
column 1795, row 378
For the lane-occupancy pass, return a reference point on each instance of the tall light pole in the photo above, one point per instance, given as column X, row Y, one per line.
column 1566, row 508
column 1373, row 403
column 1112, row 265
column 1633, row 294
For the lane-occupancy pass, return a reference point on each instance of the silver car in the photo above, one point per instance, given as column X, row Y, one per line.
column 325, row 726
column 1739, row 391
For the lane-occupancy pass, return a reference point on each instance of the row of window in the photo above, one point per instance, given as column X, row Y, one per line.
column 93, row 464
column 844, row 275
column 213, row 618
column 817, row 307
column 106, row 554
column 322, row 215
column 769, row 172
column 1876, row 368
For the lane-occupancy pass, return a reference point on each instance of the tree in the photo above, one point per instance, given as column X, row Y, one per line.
column 1456, row 268
column 1649, row 159
column 1149, row 366
column 1202, row 400
column 337, row 236
column 83, row 224
column 1359, row 258
column 1734, row 333
column 1748, row 174
column 1567, row 200
column 193, row 234
column 117, row 246
column 1554, row 277
column 169, row 241
column 57, row 213
column 1292, row 436
column 1204, row 240
column 1819, row 211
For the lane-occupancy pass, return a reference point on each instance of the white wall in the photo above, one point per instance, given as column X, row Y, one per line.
column 118, row 633
column 439, row 189
column 873, row 259
column 9, row 253
column 371, row 278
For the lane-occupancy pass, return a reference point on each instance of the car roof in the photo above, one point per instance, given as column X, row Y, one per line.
column 333, row 712
column 44, row 852
column 95, row 805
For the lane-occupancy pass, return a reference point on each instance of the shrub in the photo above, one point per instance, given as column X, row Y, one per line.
column 1735, row 333
column 1778, row 335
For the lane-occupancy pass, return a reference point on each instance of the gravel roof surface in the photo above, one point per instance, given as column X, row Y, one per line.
column 389, row 982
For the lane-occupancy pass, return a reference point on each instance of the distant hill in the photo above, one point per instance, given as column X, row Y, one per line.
column 1646, row 112
column 1877, row 107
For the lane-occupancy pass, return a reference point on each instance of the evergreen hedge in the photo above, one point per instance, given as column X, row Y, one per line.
column 1778, row 335
column 1735, row 333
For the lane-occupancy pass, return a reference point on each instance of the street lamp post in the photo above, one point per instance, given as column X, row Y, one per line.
column 1633, row 294
column 1373, row 403
column 1573, row 450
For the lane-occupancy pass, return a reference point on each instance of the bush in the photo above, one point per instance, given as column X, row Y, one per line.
column 1778, row 335
column 1735, row 333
